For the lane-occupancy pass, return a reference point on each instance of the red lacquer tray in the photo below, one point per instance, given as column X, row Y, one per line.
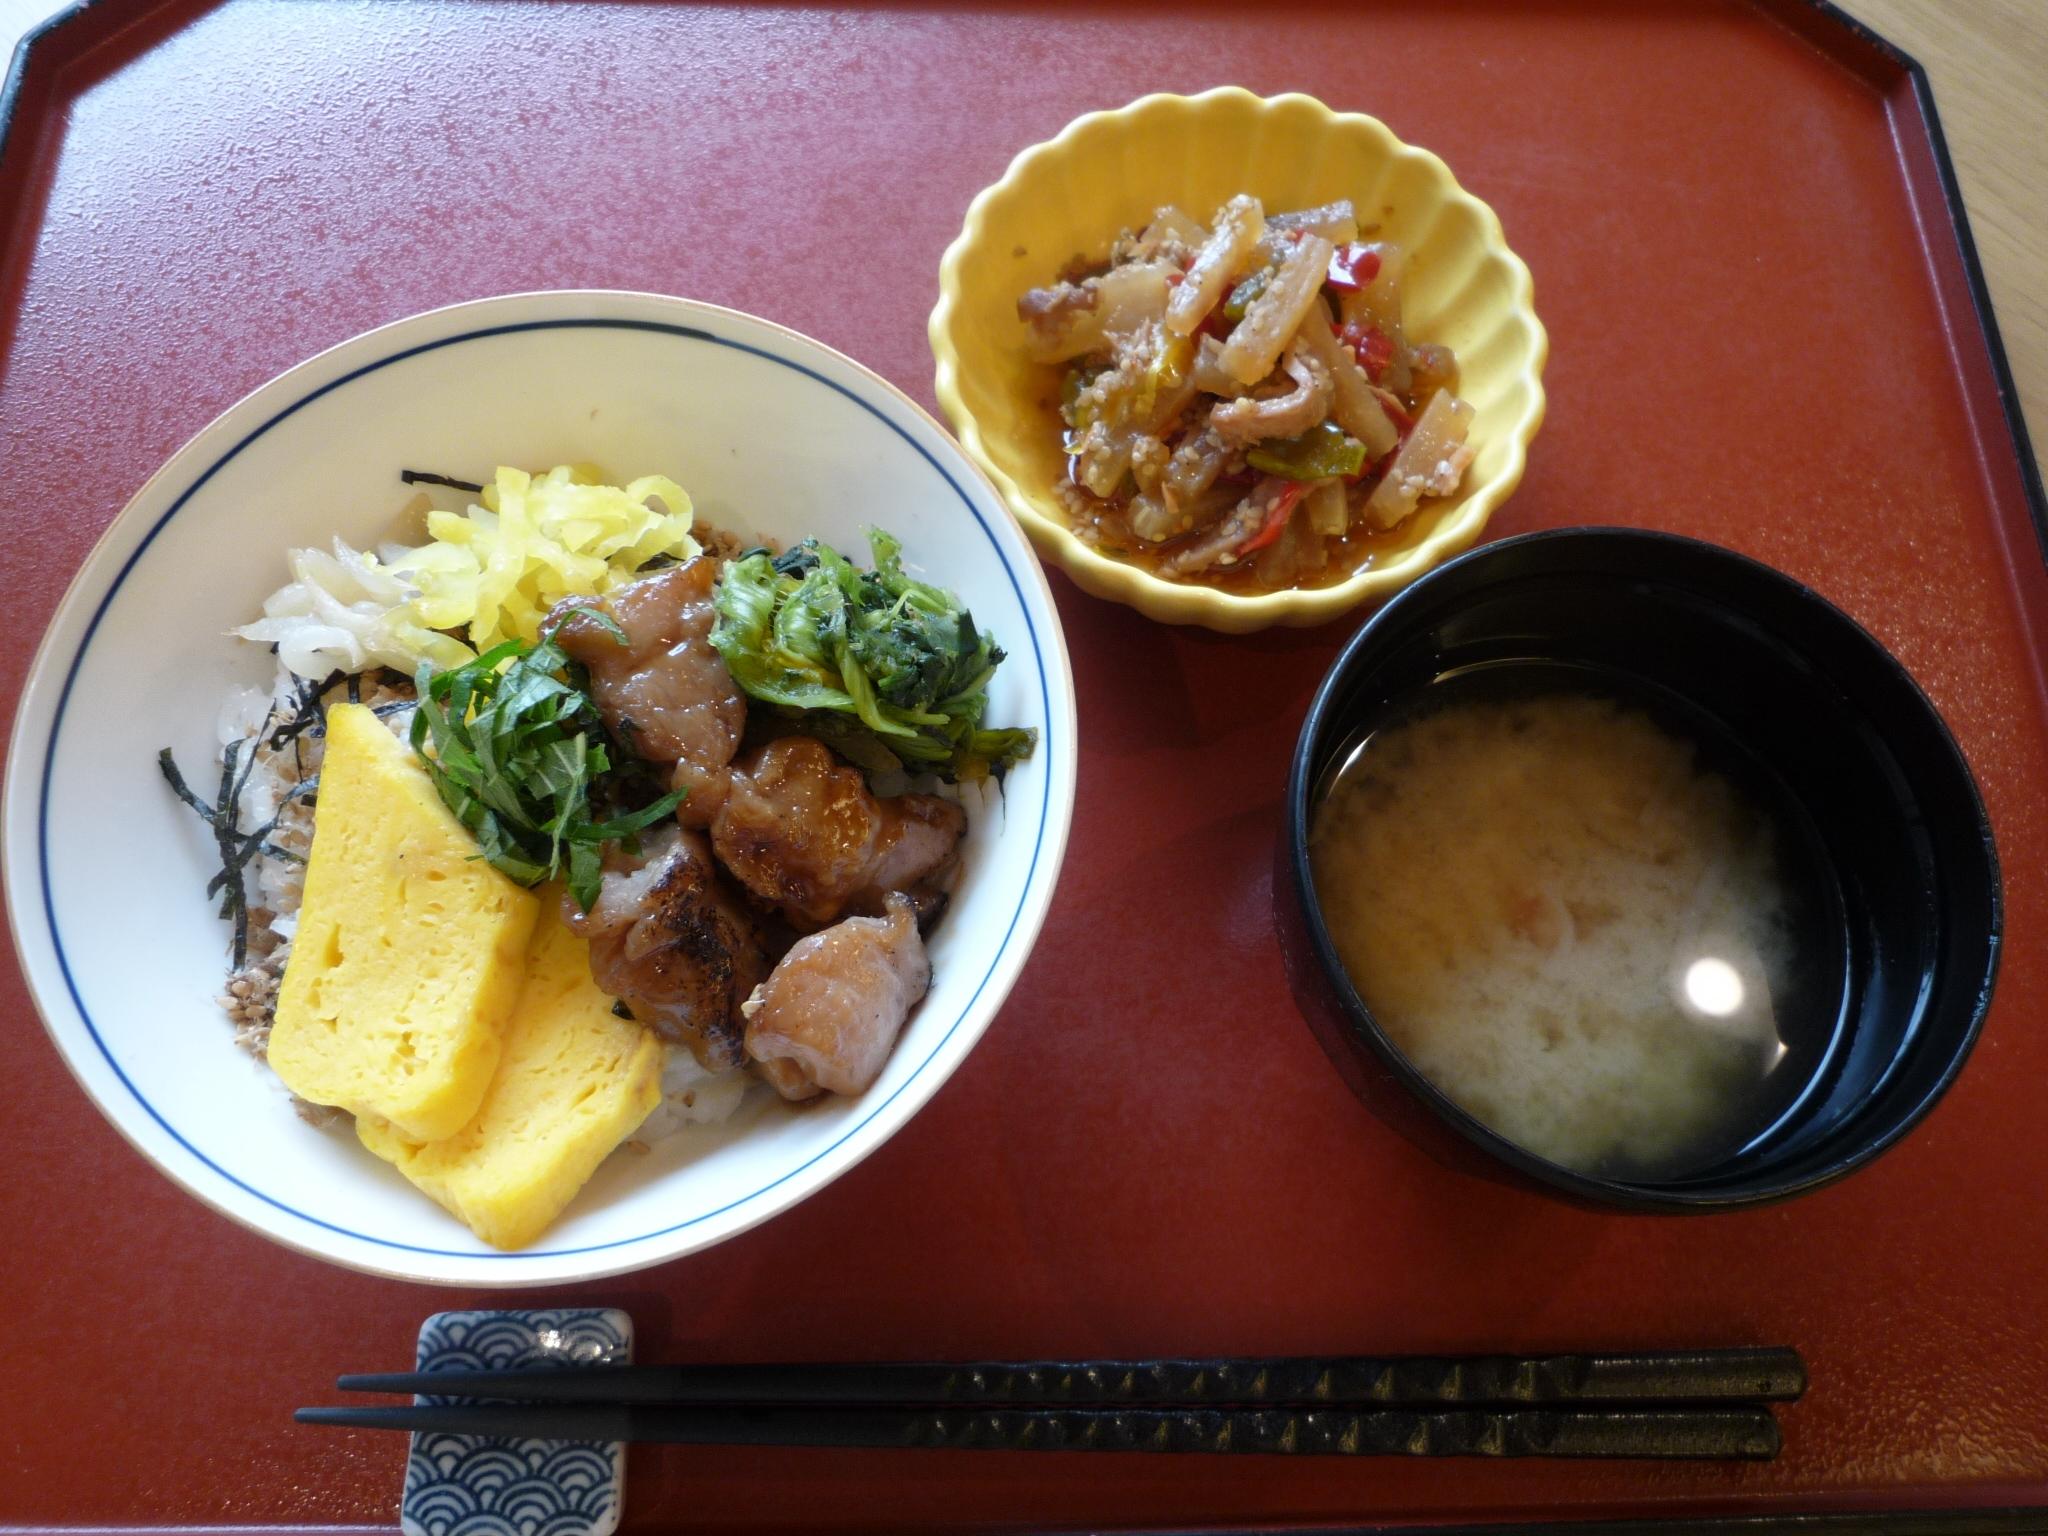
column 1766, row 330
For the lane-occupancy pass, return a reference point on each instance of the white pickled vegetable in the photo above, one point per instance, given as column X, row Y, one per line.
column 1239, row 224
column 1431, row 462
column 347, row 612
column 1336, row 221
column 1276, row 314
column 1326, row 509
column 1353, row 405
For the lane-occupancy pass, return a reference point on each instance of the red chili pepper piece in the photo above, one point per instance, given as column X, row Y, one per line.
column 1353, row 267
column 1376, row 468
column 1276, row 518
column 1373, row 347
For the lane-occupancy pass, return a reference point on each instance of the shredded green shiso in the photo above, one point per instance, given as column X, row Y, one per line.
column 515, row 746
column 887, row 668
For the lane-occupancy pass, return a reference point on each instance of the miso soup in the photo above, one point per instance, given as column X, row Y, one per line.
column 1575, row 921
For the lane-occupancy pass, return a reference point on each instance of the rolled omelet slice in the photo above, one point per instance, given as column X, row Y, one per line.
column 573, row 1082
column 409, row 950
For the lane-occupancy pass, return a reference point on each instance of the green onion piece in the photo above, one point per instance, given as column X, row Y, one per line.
column 1321, row 453
column 1247, row 290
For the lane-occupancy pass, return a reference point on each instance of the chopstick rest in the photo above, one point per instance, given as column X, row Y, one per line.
column 462, row 1480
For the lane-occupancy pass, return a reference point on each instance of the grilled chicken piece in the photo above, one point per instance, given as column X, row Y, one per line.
column 801, row 832
column 672, row 942
column 665, row 694
column 827, row 1017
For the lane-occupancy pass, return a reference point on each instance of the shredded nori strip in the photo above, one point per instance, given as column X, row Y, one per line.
column 251, row 843
column 424, row 477
column 307, row 713
column 309, row 707
column 237, row 847
column 234, row 854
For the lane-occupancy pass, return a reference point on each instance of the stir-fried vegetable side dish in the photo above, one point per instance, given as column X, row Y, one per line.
column 567, row 824
column 1241, row 402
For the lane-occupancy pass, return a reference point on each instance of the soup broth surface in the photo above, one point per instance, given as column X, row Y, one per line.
column 1579, row 928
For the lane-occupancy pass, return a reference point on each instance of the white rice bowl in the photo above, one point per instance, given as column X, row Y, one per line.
column 771, row 433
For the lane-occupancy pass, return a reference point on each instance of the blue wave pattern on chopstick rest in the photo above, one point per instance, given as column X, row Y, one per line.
column 468, row 1485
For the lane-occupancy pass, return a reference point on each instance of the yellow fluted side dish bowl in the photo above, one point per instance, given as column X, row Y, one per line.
column 1107, row 172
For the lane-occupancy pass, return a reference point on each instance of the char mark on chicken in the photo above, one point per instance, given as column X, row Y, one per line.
column 803, row 834
column 671, row 941
column 665, row 694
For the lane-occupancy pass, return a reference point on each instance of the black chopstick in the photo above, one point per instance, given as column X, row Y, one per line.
column 1699, row 1376
column 1747, row 1433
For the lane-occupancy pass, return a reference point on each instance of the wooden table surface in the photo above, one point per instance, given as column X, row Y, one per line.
column 1988, row 60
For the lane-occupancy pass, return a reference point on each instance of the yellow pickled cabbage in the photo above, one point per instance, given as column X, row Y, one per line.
column 487, row 574
column 496, row 569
